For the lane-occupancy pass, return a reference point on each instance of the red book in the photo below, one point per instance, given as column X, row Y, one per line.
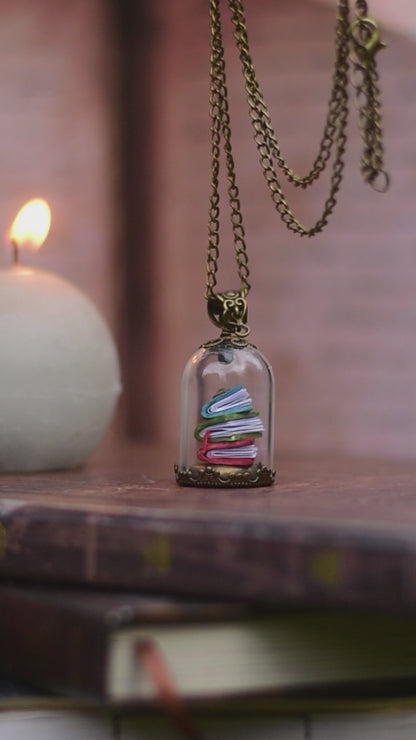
column 240, row 452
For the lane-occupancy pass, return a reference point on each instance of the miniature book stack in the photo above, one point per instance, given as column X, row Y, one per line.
column 229, row 428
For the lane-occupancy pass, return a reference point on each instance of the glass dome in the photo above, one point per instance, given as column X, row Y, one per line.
column 227, row 418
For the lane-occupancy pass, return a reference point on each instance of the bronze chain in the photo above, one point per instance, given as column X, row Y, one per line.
column 220, row 127
column 358, row 41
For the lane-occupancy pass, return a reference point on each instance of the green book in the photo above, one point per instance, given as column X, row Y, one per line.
column 231, row 427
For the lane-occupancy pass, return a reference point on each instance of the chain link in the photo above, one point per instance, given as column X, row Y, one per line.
column 361, row 41
column 264, row 135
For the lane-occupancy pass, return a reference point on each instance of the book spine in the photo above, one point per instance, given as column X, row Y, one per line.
column 51, row 647
column 235, row 559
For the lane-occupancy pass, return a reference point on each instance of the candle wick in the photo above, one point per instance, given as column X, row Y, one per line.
column 15, row 247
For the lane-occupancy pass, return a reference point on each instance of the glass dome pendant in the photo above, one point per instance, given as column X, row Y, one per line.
column 227, row 406
column 227, row 396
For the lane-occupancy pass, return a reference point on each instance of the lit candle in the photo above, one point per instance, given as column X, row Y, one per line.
column 59, row 369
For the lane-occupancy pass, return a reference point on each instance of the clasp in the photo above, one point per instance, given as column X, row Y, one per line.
column 366, row 36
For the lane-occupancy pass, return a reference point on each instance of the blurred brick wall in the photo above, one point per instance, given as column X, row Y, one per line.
column 335, row 315
column 56, row 137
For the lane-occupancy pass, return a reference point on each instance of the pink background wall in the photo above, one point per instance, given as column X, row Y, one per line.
column 56, row 135
column 336, row 316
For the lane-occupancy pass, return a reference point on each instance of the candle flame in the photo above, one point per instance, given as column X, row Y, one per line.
column 31, row 225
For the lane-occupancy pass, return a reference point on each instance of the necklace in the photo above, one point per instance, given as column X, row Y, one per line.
column 235, row 446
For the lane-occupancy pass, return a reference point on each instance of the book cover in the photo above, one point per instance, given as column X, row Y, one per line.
column 329, row 533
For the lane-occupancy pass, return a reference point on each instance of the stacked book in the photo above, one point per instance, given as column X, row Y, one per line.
column 117, row 588
column 229, row 428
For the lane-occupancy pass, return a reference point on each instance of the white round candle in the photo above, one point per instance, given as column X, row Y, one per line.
column 59, row 373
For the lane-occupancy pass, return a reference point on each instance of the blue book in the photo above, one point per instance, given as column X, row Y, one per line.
column 235, row 400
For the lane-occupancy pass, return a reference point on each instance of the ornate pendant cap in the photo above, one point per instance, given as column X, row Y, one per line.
column 228, row 311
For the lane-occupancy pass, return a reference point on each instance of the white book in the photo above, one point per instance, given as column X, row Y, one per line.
column 230, row 452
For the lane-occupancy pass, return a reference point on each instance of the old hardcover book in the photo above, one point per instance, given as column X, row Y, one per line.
column 387, row 720
column 94, row 644
column 331, row 532
column 66, row 725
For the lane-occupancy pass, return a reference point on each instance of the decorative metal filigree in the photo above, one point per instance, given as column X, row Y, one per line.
column 213, row 476
column 228, row 311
